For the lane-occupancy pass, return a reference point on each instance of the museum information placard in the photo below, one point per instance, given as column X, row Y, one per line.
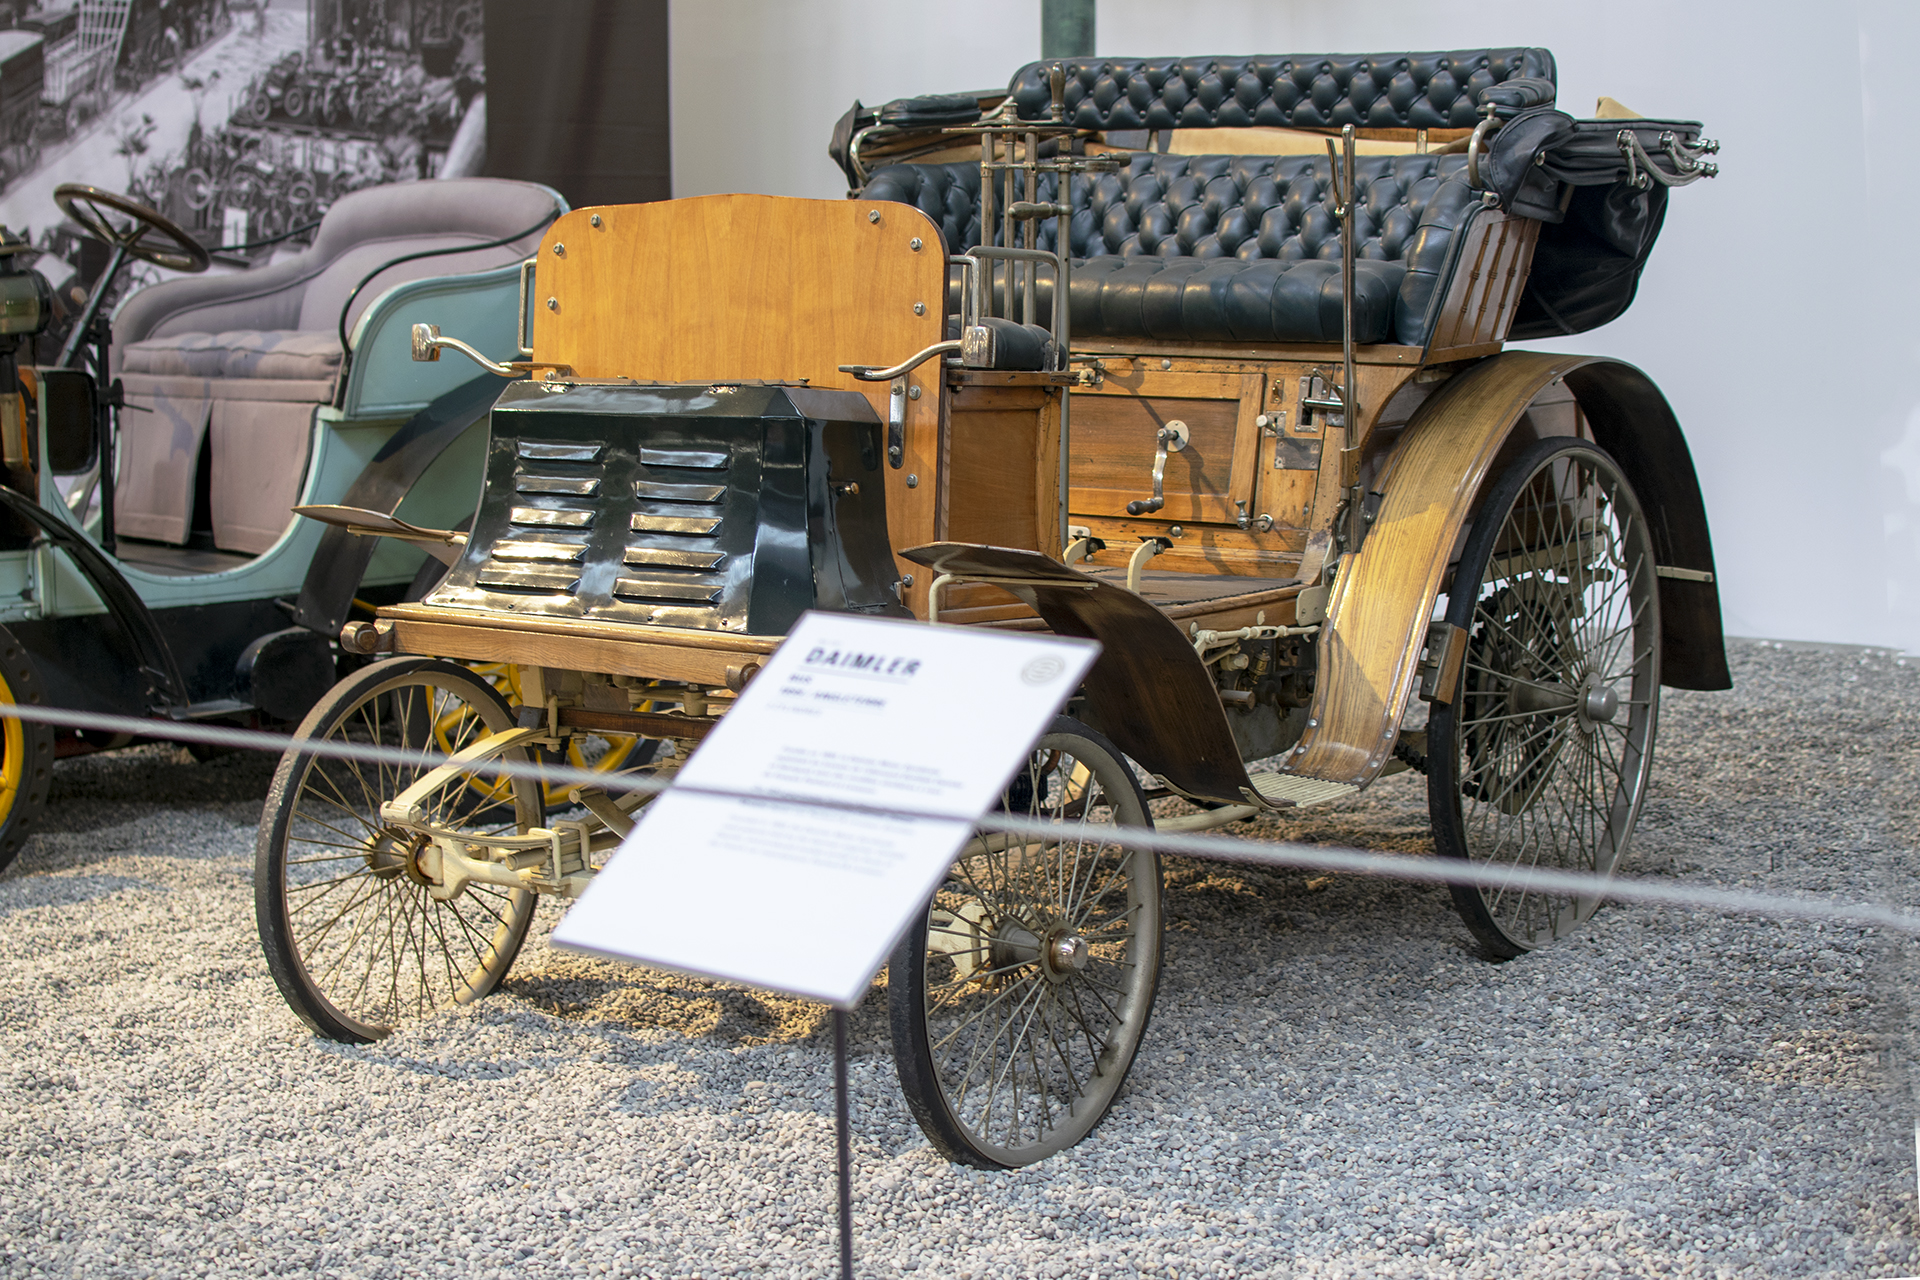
column 919, row 727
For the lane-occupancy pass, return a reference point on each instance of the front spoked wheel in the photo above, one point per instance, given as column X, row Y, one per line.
column 358, row 931
column 1541, row 760
column 1019, row 999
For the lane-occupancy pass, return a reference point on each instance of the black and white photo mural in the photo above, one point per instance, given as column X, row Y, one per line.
column 240, row 120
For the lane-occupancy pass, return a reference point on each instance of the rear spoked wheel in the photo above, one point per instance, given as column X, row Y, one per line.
column 1017, row 1002
column 1541, row 760
column 354, row 932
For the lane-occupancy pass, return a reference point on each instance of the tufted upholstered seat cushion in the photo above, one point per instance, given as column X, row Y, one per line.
column 1263, row 226
column 241, row 353
column 1288, row 91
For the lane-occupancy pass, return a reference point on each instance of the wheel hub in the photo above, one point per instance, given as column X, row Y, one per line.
column 1600, row 704
column 395, row 852
column 1066, row 954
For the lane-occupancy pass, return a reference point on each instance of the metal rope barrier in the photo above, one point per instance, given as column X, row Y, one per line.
column 1210, row 847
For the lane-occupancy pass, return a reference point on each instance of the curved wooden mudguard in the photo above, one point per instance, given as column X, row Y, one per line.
column 1377, row 618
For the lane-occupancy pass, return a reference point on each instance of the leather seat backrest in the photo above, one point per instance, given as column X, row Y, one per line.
column 1246, row 207
column 1289, row 91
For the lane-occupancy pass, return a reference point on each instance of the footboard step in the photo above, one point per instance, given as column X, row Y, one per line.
column 1299, row 791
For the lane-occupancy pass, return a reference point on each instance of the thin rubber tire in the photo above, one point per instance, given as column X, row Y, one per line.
column 1018, row 999
column 353, row 935
column 1542, row 757
column 26, row 752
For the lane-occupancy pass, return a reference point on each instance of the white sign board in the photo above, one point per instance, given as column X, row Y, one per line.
column 805, row 897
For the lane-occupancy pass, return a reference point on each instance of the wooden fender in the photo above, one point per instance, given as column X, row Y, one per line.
column 1385, row 595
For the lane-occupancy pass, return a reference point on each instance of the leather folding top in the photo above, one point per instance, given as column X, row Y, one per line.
column 1231, row 248
column 1295, row 90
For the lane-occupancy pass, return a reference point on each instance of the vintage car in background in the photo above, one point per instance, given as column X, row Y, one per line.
column 150, row 562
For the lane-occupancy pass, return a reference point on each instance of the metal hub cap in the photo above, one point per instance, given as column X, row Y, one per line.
column 1067, row 953
column 1602, row 703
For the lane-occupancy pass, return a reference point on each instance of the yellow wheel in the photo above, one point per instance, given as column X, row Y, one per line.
column 26, row 752
column 600, row 752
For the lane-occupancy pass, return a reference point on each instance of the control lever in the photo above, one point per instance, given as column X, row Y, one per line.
column 1172, row 438
column 427, row 343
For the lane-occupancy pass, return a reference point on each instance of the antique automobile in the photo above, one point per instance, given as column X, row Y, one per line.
column 150, row 561
column 1245, row 416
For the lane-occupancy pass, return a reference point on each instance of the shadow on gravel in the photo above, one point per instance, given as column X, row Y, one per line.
column 618, row 997
column 24, row 893
column 113, row 787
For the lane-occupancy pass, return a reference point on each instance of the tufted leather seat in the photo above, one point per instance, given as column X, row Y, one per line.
column 1230, row 248
column 1289, row 91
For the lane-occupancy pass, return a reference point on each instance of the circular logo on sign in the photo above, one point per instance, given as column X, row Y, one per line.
column 1041, row 670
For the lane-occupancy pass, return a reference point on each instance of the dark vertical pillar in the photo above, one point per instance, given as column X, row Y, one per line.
column 1066, row 28
column 577, row 97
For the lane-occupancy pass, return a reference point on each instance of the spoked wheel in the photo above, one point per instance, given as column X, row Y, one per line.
column 1541, row 761
column 348, row 914
column 1018, row 1001
column 26, row 752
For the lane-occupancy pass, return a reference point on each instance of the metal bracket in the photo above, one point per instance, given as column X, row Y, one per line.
column 1441, row 662
column 521, row 338
column 1317, row 395
column 1147, row 550
column 897, row 424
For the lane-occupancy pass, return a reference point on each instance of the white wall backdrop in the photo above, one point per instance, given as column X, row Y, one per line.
column 1780, row 311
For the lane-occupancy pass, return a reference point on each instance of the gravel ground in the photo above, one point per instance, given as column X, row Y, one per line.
column 1335, row 1084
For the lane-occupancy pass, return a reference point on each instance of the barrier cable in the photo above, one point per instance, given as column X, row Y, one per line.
column 1262, row 853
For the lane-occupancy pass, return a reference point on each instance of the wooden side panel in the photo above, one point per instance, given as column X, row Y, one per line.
column 1114, row 440
column 744, row 287
column 1487, row 283
column 1384, row 596
column 996, row 451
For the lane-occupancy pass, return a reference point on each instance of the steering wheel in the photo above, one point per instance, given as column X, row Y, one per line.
column 84, row 204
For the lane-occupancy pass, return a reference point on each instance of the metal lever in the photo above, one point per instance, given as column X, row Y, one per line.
column 870, row 373
column 426, row 349
column 1172, row 438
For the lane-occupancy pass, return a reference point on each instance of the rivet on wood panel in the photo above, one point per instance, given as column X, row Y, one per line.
column 919, row 308
column 913, row 481
column 553, row 304
column 914, row 244
column 873, row 215
column 595, row 220
column 559, row 250
column 913, row 393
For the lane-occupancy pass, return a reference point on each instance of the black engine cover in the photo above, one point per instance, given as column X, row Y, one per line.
column 728, row 507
